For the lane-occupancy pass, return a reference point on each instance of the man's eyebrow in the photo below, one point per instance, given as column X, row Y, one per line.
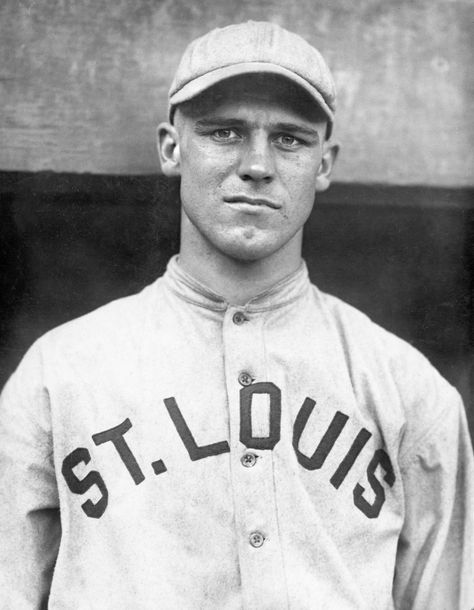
column 212, row 121
column 304, row 129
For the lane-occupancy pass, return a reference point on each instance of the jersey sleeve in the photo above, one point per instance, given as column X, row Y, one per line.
column 435, row 557
column 29, row 524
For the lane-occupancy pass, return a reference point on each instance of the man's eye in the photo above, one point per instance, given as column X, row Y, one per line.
column 224, row 134
column 288, row 141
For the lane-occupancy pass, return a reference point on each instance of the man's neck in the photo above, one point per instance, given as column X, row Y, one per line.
column 239, row 281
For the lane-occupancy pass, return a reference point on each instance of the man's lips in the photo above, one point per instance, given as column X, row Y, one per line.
column 256, row 201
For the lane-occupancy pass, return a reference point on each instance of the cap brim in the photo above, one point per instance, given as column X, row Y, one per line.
column 201, row 83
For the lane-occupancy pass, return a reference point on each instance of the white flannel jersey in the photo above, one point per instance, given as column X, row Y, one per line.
column 288, row 453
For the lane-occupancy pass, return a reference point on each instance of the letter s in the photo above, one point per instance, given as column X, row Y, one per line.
column 372, row 511
column 80, row 486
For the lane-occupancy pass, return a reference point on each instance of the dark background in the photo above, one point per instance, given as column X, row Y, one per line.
column 403, row 255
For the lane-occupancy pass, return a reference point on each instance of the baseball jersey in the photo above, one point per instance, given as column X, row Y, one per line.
column 170, row 450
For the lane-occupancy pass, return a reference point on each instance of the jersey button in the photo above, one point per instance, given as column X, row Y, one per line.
column 256, row 539
column 245, row 378
column 238, row 318
column 248, row 460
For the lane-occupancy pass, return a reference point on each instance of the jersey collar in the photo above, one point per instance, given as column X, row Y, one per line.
column 289, row 289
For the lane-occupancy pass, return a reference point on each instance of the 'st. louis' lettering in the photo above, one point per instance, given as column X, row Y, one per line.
column 180, row 452
column 249, row 440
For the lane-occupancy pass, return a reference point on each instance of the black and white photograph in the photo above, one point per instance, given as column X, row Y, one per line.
column 236, row 305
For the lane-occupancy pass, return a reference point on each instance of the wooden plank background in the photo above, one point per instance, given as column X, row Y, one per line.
column 83, row 83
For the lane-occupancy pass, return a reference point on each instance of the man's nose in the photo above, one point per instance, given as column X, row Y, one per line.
column 256, row 162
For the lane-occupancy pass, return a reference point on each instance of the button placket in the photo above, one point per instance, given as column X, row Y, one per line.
column 252, row 474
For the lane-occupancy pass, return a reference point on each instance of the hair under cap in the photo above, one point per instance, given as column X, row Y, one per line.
column 253, row 47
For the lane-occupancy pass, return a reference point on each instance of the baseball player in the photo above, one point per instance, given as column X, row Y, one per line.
column 232, row 437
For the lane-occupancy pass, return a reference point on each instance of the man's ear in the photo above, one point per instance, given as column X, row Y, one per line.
column 168, row 149
column 323, row 179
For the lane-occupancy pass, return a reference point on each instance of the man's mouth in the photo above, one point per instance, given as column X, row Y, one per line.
column 256, row 201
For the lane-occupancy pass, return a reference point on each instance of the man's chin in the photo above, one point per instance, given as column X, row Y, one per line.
column 248, row 252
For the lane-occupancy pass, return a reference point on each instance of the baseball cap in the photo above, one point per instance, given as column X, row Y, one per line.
column 253, row 47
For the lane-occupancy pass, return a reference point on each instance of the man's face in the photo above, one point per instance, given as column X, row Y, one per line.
column 250, row 157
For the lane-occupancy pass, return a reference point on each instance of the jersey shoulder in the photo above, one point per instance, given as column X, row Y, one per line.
column 366, row 339
column 109, row 329
column 382, row 366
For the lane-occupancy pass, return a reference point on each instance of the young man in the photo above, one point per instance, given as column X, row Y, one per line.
column 232, row 437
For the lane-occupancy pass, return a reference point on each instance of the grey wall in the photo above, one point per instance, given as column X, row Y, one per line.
column 84, row 82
